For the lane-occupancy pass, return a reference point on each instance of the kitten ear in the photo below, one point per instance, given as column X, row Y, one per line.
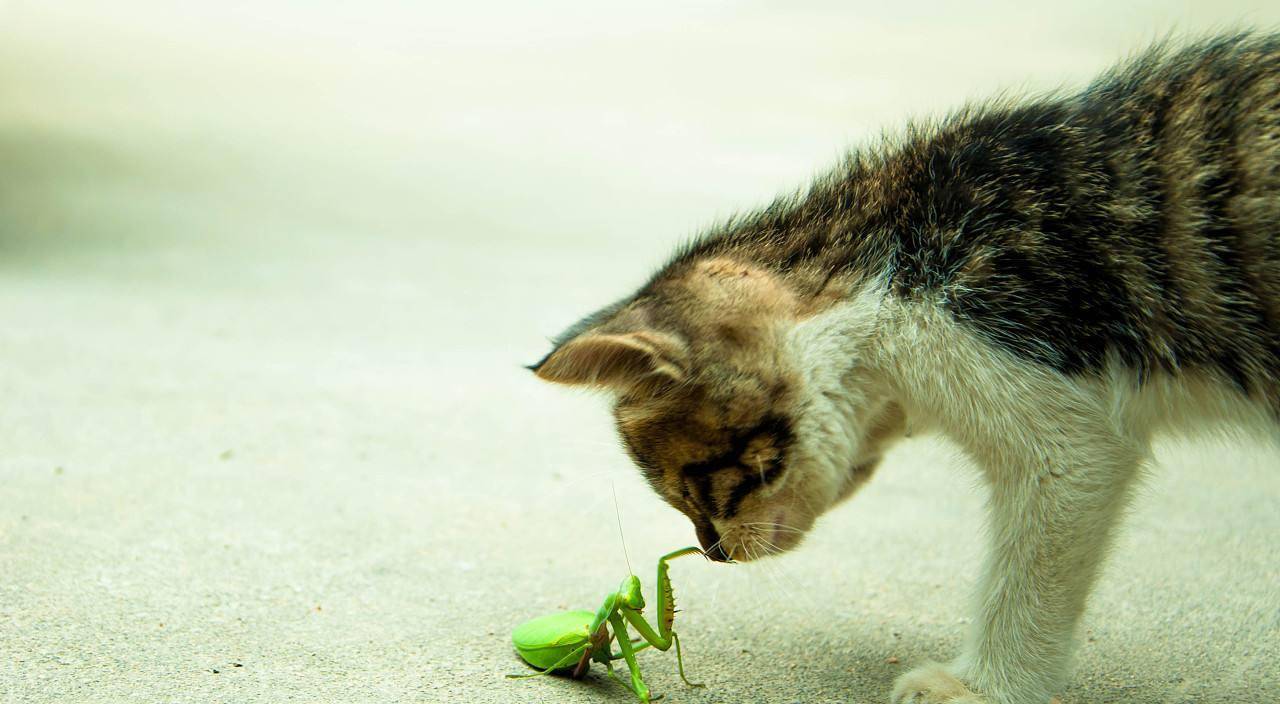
column 619, row 361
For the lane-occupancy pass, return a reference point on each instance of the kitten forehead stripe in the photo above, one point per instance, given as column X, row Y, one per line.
column 773, row 426
column 750, row 482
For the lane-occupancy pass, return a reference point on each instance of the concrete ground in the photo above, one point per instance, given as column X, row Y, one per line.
column 268, row 273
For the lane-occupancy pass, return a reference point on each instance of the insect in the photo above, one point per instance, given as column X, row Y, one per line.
column 576, row 638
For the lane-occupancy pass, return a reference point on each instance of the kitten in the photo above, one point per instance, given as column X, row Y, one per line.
column 1047, row 283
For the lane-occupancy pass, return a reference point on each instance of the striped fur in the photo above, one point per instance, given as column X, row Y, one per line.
column 1049, row 283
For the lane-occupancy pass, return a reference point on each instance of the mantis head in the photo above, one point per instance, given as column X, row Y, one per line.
column 630, row 594
column 743, row 402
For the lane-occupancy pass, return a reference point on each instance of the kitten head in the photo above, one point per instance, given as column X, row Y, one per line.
column 721, row 404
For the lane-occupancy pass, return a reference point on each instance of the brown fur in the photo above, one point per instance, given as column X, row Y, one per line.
column 1047, row 283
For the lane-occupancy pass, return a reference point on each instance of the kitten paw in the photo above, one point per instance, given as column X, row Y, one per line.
column 932, row 684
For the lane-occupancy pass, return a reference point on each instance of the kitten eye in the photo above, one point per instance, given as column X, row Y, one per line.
column 762, row 453
column 748, row 484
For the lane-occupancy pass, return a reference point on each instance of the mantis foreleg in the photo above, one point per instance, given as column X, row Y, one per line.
column 660, row 638
column 664, row 635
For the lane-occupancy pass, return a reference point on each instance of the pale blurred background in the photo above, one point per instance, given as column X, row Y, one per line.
column 268, row 272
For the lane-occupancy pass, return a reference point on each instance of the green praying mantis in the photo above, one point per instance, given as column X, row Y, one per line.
column 577, row 638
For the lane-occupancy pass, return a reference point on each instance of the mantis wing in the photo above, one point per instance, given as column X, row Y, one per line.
column 544, row 641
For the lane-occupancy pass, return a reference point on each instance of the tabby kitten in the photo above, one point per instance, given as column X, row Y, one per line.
column 1047, row 283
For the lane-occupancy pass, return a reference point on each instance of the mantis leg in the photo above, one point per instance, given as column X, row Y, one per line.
column 636, row 646
column 570, row 659
column 663, row 637
column 614, row 674
column 679, row 658
column 680, row 663
column 642, row 646
column 629, row 654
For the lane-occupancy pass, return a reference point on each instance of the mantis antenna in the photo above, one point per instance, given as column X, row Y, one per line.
column 618, row 512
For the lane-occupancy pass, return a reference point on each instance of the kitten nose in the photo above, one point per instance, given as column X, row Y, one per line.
column 710, row 541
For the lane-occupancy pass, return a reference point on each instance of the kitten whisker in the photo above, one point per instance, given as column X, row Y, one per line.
column 771, row 571
column 776, row 526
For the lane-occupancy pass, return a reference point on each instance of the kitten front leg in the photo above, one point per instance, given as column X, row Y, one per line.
column 933, row 684
column 1048, row 534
